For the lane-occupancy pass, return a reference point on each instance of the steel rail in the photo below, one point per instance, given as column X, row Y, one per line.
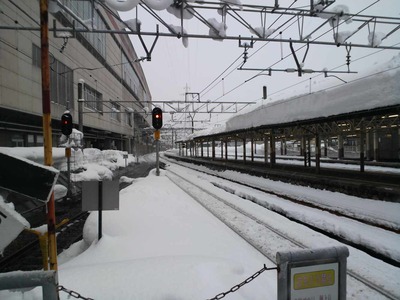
column 353, row 274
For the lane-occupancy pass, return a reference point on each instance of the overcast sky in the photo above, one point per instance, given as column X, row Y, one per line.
column 175, row 69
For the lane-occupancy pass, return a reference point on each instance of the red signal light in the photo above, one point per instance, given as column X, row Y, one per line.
column 157, row 118
column 66, row 124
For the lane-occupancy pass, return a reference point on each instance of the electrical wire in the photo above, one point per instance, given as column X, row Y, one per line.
column 235, row 69
column 241, row 84
column 318, row 75
column 223, row 71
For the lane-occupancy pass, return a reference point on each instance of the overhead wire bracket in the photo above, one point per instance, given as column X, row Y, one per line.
column 148, row 53
column 348, row 57
column 246, row 46
column 299, row 67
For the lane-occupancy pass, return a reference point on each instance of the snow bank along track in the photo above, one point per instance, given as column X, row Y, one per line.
column 243, row 223
column 369, row 184
column 24, row 252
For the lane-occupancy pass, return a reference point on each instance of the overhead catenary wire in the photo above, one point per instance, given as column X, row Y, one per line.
column 235, row 69
column 236, row 60
column 280, row 32
column 241, row 56
column 301, row 47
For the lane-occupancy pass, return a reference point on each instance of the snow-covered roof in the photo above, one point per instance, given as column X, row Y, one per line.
column 371, row 92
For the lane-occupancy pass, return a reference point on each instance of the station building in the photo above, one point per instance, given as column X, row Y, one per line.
column 114, row 88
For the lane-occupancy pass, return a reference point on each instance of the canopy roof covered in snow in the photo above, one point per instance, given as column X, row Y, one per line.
column 369, row 93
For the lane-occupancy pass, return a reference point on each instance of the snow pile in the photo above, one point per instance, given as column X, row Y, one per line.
column 335, row 16
column 99, row 165
column 12, row 223
column 10, row 209
column 217, row 30
column 80, row 159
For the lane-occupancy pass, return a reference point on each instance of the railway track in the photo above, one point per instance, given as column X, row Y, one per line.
column 245, row 223
column 302, row 199
column 372, row 185
column 25, row 254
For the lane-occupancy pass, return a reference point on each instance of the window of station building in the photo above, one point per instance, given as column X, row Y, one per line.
column 61, row 79
column 130, row 77
column 36, row 56
column 128, row 117
column 31, row 140
column 17, row 140
column 61, row 83
column 93, row 99
column 115, row 111
column 85, row 9
column 39, row 140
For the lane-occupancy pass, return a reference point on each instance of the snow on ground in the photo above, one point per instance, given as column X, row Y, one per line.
column 89, row 159
column 162, row 244
column 383, row 274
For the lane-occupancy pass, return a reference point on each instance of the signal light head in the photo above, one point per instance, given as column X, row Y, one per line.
column 66, row 124
column 157, row 118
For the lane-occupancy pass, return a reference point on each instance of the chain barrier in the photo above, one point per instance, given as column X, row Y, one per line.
column 219, row 296
column 238, row 286
column 72, row 293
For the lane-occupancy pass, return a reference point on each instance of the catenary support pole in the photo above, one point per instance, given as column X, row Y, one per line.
column 80, row 104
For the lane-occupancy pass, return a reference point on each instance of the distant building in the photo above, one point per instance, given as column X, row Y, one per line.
column 115, row 89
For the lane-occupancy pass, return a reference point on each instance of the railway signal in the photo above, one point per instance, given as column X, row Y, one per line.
column 157, row 118
column 66, row 124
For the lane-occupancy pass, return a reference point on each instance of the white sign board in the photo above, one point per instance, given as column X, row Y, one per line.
column 10, row 225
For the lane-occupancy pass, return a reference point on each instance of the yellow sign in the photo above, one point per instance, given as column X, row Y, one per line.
column 67, row 152
column 315, row 279
column 157, row 135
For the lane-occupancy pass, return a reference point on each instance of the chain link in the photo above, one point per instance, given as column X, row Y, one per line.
column 238, row 286
column 72, row 293
column 217, row 297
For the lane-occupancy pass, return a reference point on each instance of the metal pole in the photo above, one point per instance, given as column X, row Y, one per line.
column 80, row 104
column 100, row 233
column 47, row 134
column 68, row 153
column 158, row 157
column 362, row 157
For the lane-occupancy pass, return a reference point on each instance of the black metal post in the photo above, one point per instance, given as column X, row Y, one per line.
column 100, row 209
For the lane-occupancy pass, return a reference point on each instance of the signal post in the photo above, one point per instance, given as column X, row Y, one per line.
column 157, row 121
column 66, row 129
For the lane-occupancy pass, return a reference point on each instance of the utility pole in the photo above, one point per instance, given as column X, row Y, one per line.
column 47, row 134
column 80, row 104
